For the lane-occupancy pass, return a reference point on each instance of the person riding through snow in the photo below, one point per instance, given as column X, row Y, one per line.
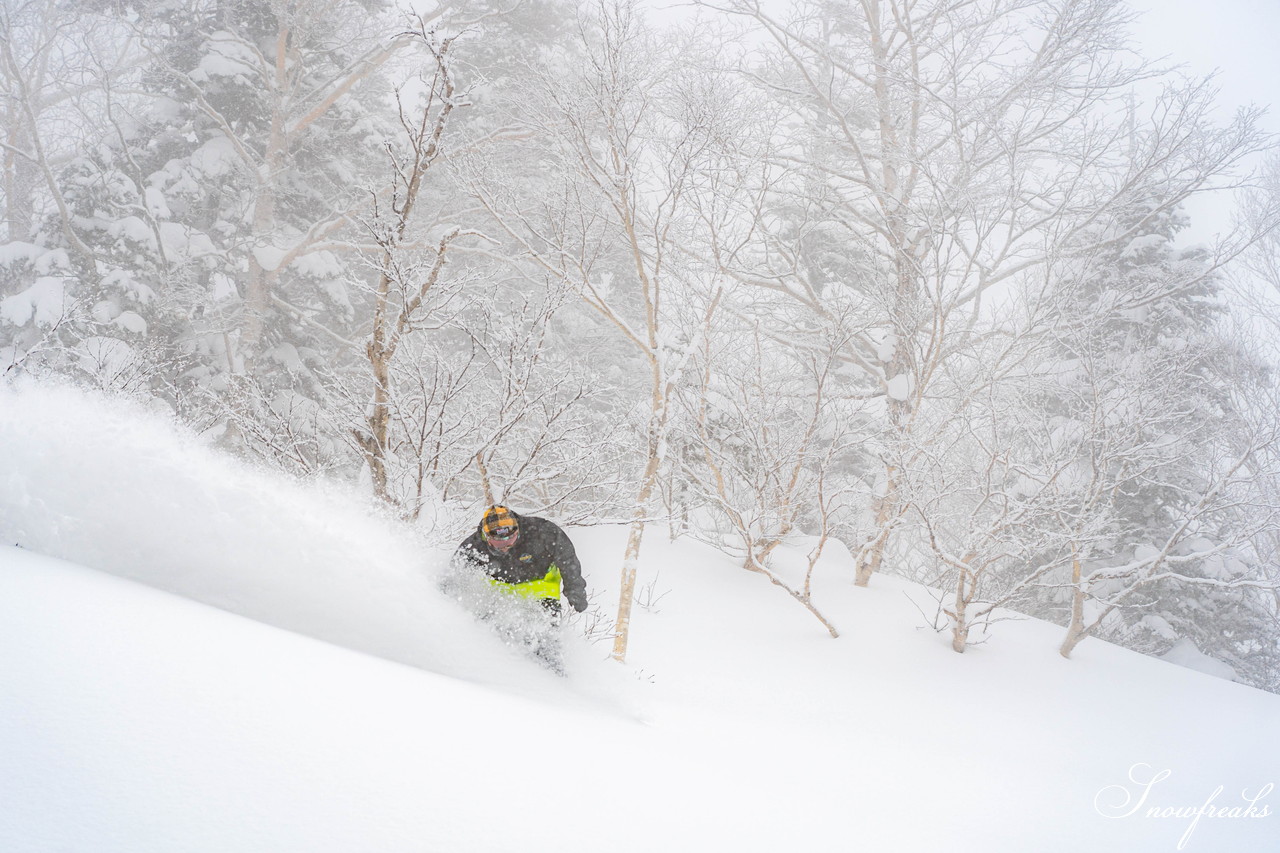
column 531, row 559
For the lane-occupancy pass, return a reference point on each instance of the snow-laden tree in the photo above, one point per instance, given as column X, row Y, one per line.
column 59, row 68
column 981, row 493
column 1257, row 275
column 223, row 174
column 1174, row 446
column 952, row 180
column 1097, row 462
column 45, row 53
column 283, row 100
column 229, row 227
column 763, row 445
column 627, row 131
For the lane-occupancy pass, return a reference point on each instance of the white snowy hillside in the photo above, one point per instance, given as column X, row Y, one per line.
column 197, row 656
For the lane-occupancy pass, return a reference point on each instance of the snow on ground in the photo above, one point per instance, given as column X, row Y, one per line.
column 332, row 700
column 97, row 482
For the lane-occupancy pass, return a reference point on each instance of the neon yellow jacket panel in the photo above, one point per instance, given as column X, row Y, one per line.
column 543, row 587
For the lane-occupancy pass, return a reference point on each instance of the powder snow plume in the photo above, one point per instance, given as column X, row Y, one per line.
column 105, row 483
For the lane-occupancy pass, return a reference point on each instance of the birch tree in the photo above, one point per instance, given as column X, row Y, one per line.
column 215, row 175
column 956, row 180
column 1257, row 282
column 406, row 279
column 629, row 141
column 268, row 89
column 36, row 42
column 55, row 63
column 1174, row 412
column 1109, row 417
column 764, row 443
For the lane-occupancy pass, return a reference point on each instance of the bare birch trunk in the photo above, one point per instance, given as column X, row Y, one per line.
column 376, row 443
column 631, row 558
column 20, row 181
column 261, row 282
column 869, row 559
column 898, row 177
column 379, row 350
column 960, row 618
column 484, row 480
column 391, row 323
column 1076, row 630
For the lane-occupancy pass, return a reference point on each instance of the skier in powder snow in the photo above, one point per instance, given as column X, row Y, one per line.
column 533, row 561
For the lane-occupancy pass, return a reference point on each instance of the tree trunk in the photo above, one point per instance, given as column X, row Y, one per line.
column 648, row 485
column 379, row 350
column 1076, row 630
column 870, row 558
column 960, row 618
column 897, row 130
column 261, row 280
column 20, row 180
column 376, row 442
column 631, row 558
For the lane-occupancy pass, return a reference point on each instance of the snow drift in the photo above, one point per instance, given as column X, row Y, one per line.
column 101, row 482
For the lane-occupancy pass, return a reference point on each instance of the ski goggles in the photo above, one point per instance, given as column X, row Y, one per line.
column 502, row 534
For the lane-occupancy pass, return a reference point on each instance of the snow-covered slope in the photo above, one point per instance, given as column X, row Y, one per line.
column 133, row 719
column 100, row 483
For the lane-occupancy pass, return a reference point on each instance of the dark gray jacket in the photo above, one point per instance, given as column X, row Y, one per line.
column 541, row 545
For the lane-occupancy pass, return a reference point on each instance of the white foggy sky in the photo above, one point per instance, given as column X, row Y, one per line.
column 1237, row 40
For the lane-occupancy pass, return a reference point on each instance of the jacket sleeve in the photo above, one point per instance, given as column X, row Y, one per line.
column 566, row 558
column 466, row 557
column 462, row 565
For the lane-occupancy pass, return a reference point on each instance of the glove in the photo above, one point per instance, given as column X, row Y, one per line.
column 579, row 605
